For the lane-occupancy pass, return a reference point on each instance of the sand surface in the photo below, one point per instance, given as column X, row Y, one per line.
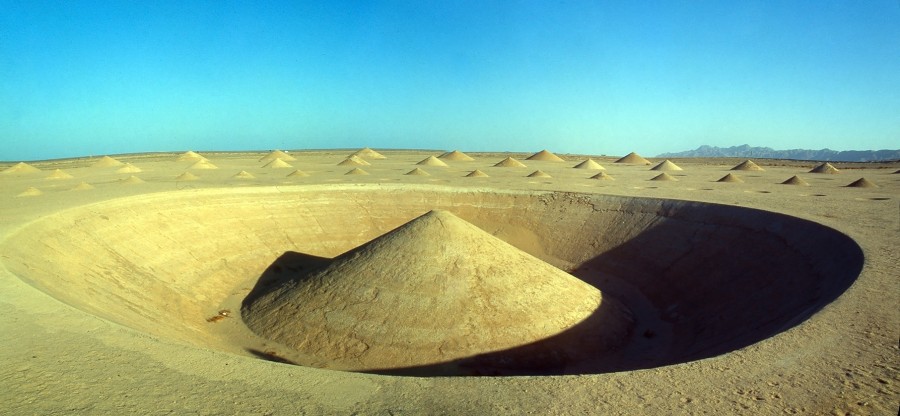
column 123, row 282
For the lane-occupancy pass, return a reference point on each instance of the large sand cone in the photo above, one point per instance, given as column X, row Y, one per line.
column 546, row 156
column 107, row 162
column 436, row 290
column 190, row 155
column 277, row 154
column 603, row 176
column 356, row 171
column 59, row 174
column 824, row 168
column 277, row 164
column 432, row 161
column 354, row 161
column 509, row 162
column 367, row 153
column 862, row 183
column 21, row 167
column 30, row 191
column 748, row 165
column 589, row 164
column 732, row 178
column 666, row 165
column 663, row 177
column 633, row 158
column 539, row 174
column 795, row 180
column 477, row 173
column 203, row 164
column 456, row 155
column 128, row 168
column 417, row 172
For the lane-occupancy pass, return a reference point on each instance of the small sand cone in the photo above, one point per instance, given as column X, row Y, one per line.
column 190, row 155
column 730, row 178
column 106, row 162
column 187, row 176
column 21, row 167
column 367, row 153
column 432, row 161
column 84, row 186
column 603, row 176
column 128, row 168
column 277, row 154
column 354, row 161
column 477, row 174
column 59, row 174
column 243, row 175
column 748, row 165
column 663, row 177
column 297, row 174
column 30, row 191
column 356, row 171
column 666, row 165
column 539, row 174
column 277, row 164
column 131, row 180
column 417, row 172
column 546, row 156
column 825, row 168
column 509, row 162
column 633, row 158
column 203, row 164
column 589, row 164
column 862, row 183
column 456, row 155
column 795, row 180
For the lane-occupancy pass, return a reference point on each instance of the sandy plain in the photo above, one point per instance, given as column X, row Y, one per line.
column 123, row 285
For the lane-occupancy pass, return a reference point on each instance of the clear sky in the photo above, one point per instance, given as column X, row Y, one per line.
column 601, row 77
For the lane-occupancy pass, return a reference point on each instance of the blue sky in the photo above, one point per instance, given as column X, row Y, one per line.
column 86, row 78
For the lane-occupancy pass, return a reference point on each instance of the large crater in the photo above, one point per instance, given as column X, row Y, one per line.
column 699, row 279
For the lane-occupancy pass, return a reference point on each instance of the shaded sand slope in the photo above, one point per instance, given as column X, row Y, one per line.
column 689, row 271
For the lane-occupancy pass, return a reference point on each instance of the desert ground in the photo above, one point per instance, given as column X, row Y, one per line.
column 313, row 282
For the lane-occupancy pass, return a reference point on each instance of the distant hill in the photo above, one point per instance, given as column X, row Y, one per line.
column 796, row 154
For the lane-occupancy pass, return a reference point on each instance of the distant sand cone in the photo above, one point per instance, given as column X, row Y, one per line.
column 277, row 154
column 106, row 162
column 243, row 175
column 128, row 168
column 30, row 191
column 187, row 176
column 539, row 174
column 748, row 165
column 451, row 292
column 633, row 158
column 456, row 155
column 730, row 178
column 131, row 180
column 546, row 156
column 509, row 162
column 862, row 183
column 84, row 186
column 21, row 167
column 59, row 174
column 432, row 161
column 663, row 177
column 824, row 168
column 367, row 153
column 666, row 165
column 477, row 174
column 277, row 164
column 356, row 171
column 795, row 180
column 589, row 164
column 298, row 174
column 603, row 176
column 418, row 172
column 203, row 164
column 354, row 161
column 190, row 155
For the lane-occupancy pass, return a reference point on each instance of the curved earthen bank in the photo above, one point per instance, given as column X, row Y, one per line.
column 701, row 279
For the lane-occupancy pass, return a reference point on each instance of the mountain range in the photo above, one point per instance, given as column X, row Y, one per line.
column 796, row 154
